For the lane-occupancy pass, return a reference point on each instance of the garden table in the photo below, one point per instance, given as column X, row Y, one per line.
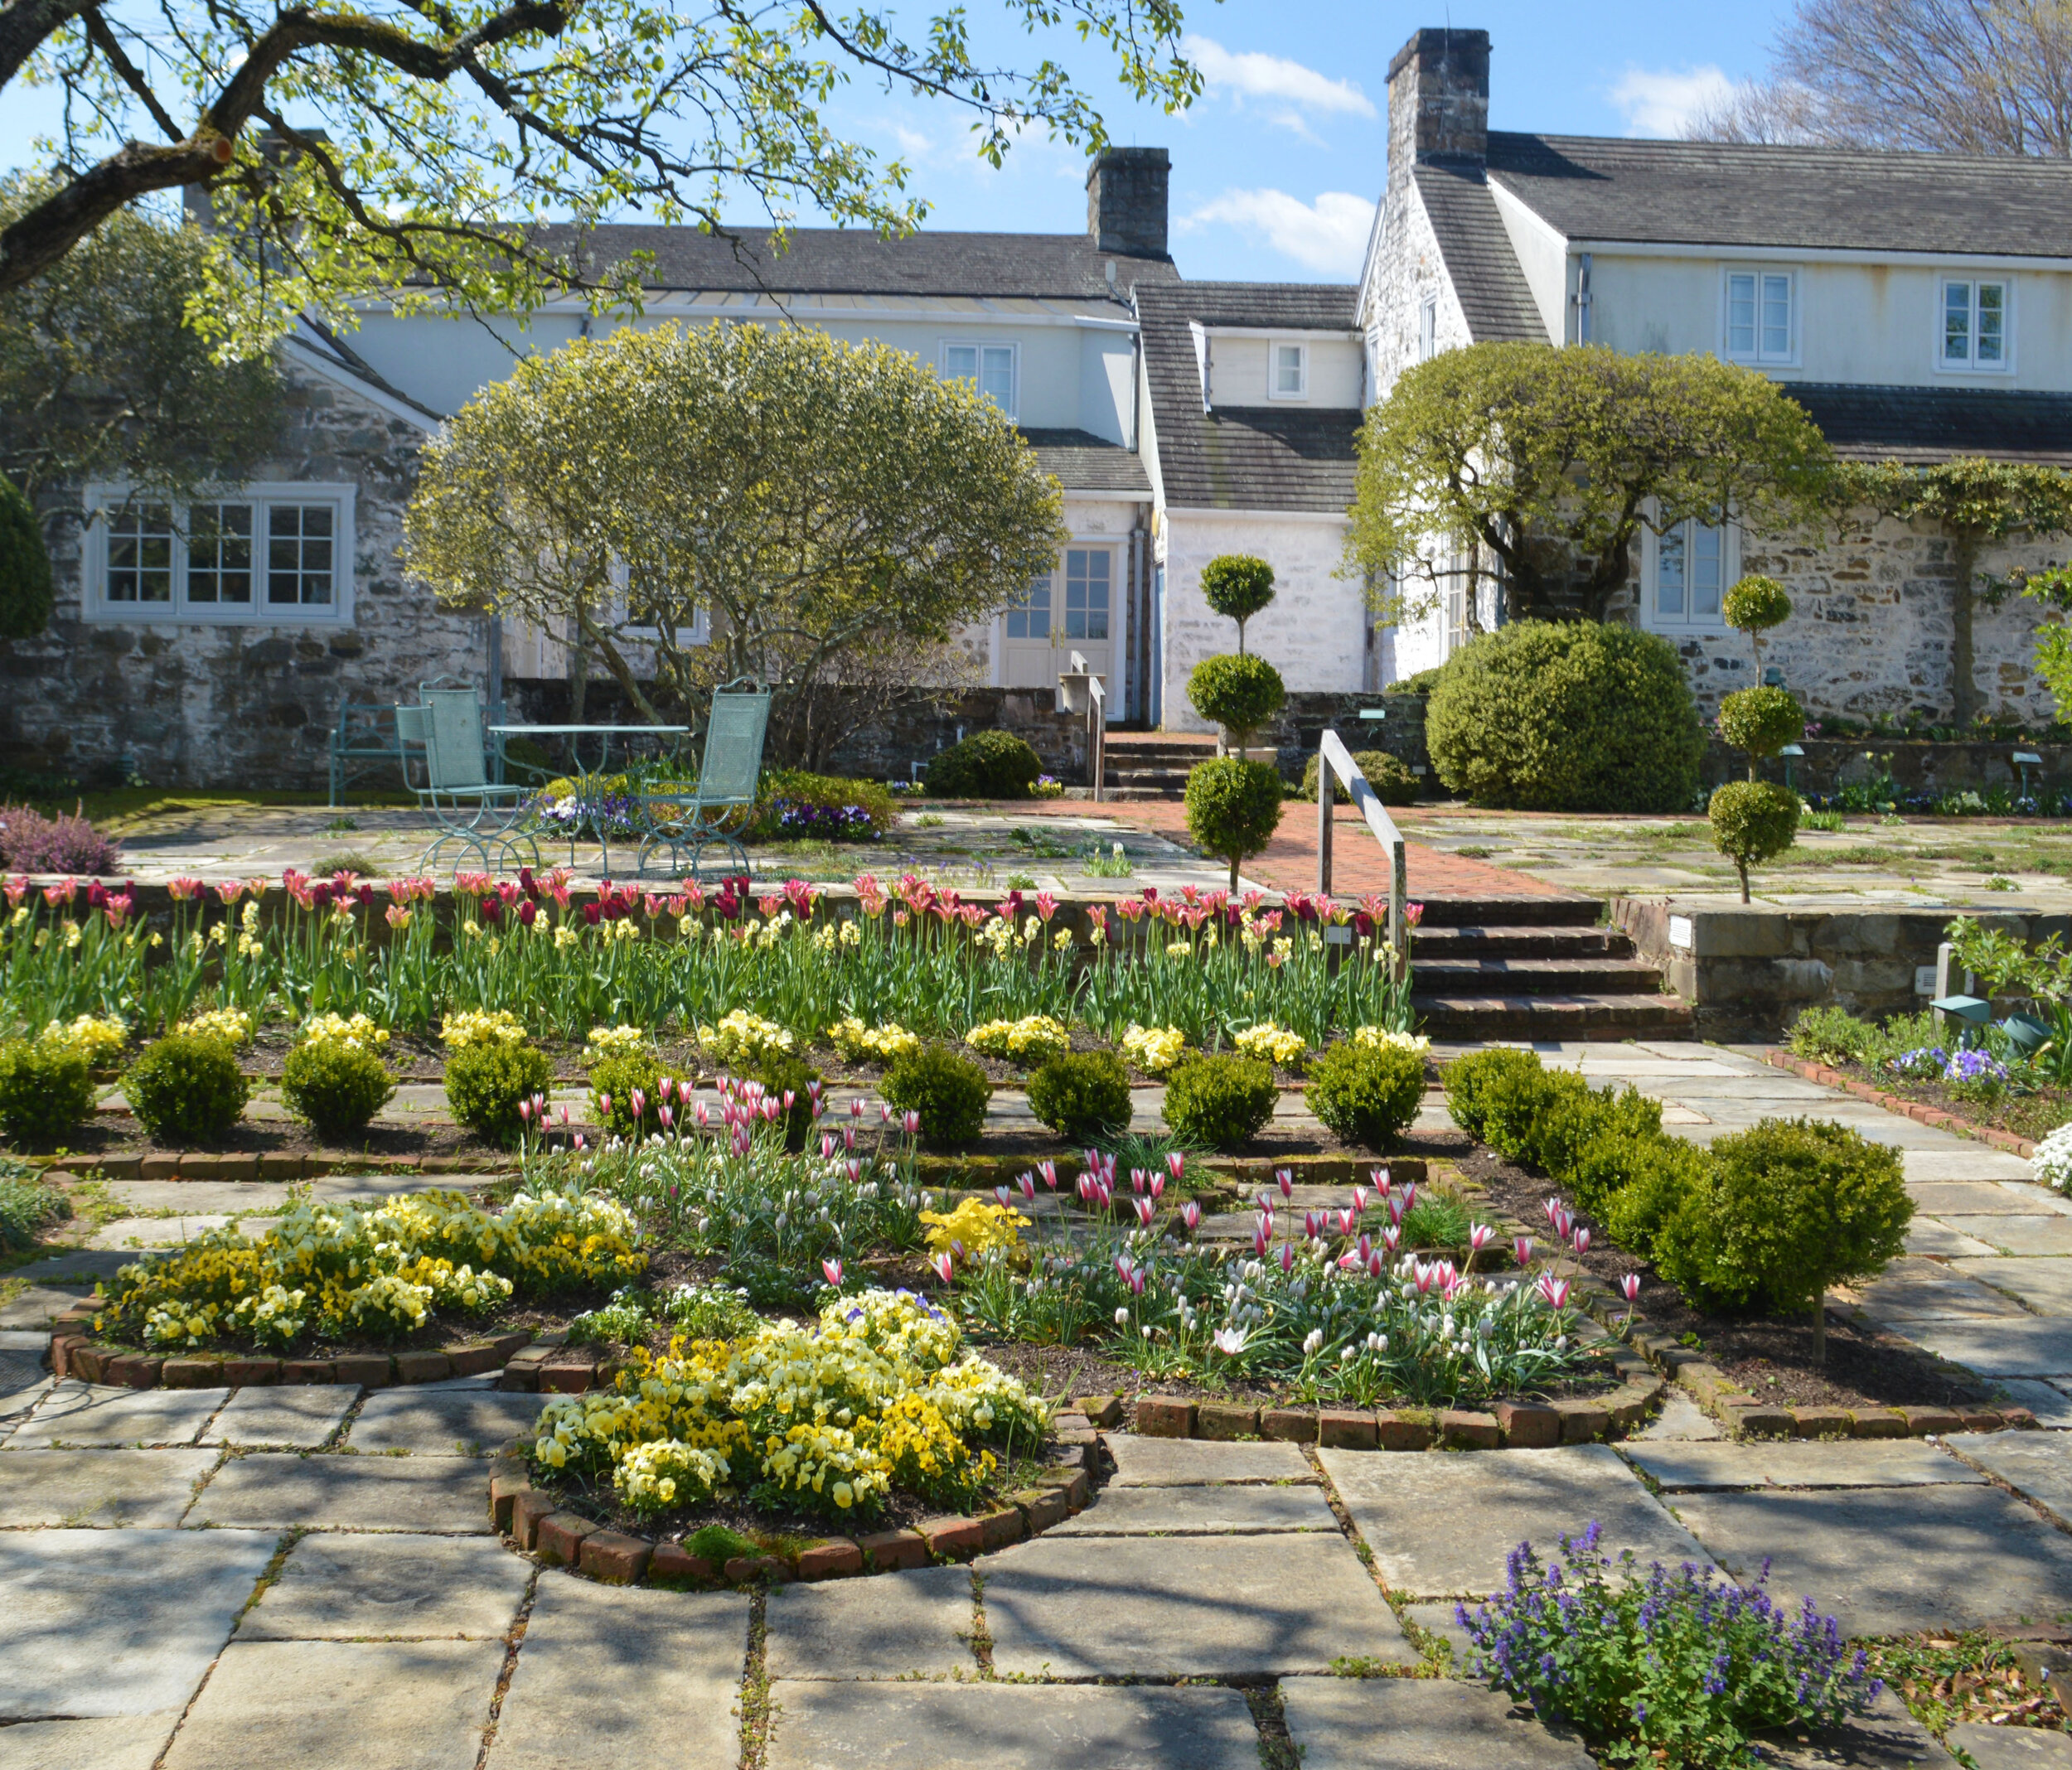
column 589, row 798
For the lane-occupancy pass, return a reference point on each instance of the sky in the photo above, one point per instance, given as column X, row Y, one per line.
column 1277, row 167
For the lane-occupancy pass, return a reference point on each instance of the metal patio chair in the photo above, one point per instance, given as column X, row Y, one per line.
column 692, row 821
column 475, row 815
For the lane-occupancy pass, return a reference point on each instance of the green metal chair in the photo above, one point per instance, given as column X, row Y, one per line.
column 475, row 815
column 692, row 821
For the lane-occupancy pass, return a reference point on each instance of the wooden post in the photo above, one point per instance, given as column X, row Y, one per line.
column 1324, row 771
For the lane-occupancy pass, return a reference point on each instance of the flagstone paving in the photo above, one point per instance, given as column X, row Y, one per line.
column 297, row 1418
column 78, row 1413
column 112, row 1489
column 475, row 1421
column 918, row 1623
column 2036, row 1465
column 1860, row 1462
column 1177, row 1462
column 345, row 1586
column 275, row 1490
column 1206, row 1511
column 1353, row 1723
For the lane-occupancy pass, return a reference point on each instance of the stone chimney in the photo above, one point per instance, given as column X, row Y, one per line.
column 1126, row 200
column 1438, row 99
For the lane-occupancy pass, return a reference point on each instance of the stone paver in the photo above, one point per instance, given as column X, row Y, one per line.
column 84, row 1631
column 304, row 1417
column 1868, row 1463
column 2034, row 1346
column 1444, row 1525
column 1888, row 1561
column 195, row 1197
column 16, row 1404
column 74, row 1266
column 890, row 1626
column 1680, row 1419
column 1925, row 1236
column 128, row 1489
column 2017, row 1234
column 1195, row 1511
column 1434, row 1724
column 373, row 1704
column 137, row 1233
column 1184, row 1606
column 473, row 1421
column 1966, row 1198
column 126, row 1742
column 2035, row 1464
column 1967, row 1161
column 78, row 1413
column 2013, row 1747
column 1927, row 1290
column 1177, row 1462
column 1443, row 1620
column 636, row 1679
column 2051, row 1405
column 34, row 1307
column 837, row 1726
column 342, row 1585
column 277, row 1490
column 1886, row 1739
column 2045, row 1284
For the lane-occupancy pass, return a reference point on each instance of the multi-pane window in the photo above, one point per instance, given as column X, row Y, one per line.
column 1690, row 574
column 276, row 552
column 1087, row 584
column 1974, row 333
column 1758, row 315
column 990, row 365
column 1030, row 617
column 1290, row 371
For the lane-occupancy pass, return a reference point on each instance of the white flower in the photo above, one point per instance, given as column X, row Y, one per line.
column 2052, row 1164
column 1230, row 1341
column 1314, row 1343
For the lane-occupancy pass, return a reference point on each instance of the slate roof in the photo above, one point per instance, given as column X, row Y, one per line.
column 1484, row 270
column 856, row 261
column 1244, row 457
column 1923, row 424
column 1083, row 461
column 1744, row 194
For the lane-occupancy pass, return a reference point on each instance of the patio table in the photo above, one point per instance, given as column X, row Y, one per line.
column 589, row 781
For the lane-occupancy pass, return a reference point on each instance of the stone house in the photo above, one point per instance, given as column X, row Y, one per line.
column 1918, row 306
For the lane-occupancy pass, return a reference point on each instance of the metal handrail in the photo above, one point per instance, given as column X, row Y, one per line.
column 1333, row 757
column 1097, row 724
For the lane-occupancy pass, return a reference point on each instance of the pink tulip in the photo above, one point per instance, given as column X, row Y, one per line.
column 1191, row 1214
column 833, row 1269
column 945, row 1267
column 1521, row 1250
column 1285, row 1181
column 703, row 1115
column 856, row 1108
column 910, row 1123
column 1174, row 1163
column 1359, row 1200
column 580, row 1142
column 1137, row 1179
column 1629, row 1287
column 1261, row 1239
column 1027, row 1184
column 665, row 1086
column 848, row 1137
column 667, row 1115
column 827, row 1146
column 1048, row 1173
column 1287, row 1257
column 1479, row 1236
column 1381, row 1179
column 1145, row 1210
column 1423, row 1277
column 1555, row 1291
column 1392, row 1238
column 1158, row 1184
column 1002, row 1197
column 1582, row 1241
column 1410, row 1196
column 524, row 1111
column 640, row 1102
column 1310, row 1227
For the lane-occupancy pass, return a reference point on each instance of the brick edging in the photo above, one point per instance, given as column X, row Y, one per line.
column 1918, row 1110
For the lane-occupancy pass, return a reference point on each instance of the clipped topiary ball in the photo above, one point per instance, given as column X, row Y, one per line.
column 334, row 1087
column 1756, row 604
column 25, row 567
column 1236, row 586
column 1082, row 1094
column 949, row 1092
column 47, row 1092
column 987, row 765
column 1389, row 776
column 186, row 1088
column 1238, row 693
column 615, row 1078
column 1760, row 720
column 1752, row 821
column 486, row 1082
column 1366, row 1094
column 1233, row 807
column 1219, row 1102
column 1566, row 716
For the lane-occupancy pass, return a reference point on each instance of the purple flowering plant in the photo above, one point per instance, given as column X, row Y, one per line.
column 1680, row 1667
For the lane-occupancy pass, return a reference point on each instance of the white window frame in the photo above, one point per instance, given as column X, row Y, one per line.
column 1013, row 408
column 1973, row 282
column 1687, row 625
column 1274, row 346
column 1427, row 328
column 104, row 500
column 1759, row 356
column 647, row 633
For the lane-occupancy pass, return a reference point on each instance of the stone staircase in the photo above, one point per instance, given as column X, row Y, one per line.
column 1153, row 765
column 1535, row 967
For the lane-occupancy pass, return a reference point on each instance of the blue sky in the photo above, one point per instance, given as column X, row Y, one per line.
column 1276, row 168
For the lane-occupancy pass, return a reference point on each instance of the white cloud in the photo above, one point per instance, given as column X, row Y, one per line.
column 1329, row 234
column 1659, row 102
column 1250, row 74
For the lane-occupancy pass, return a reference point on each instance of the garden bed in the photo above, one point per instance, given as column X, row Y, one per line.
column 2016, row 1122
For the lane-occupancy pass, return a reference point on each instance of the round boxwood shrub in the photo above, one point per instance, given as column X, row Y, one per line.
column 1238, row 586
column 1237, row 692
column 1471, row 1082
column 1366, row 1094
column 1752, row 821
column 1219, row 1102
column 615, row 1078
column 949, row 1092
column 1566, row 716
column 1081, row 1095
column 1660, row 1173
column 1786, row 1210
column 334, row 1087
column 1389, row 776
column 186, row 1088
column 47, row 1092
column 484, row 1083
column 1755, row 604
column 1233, row 807
column 781, row 1075
column 987, row 765
column 25, row 567
column 1588, row 1144
column 1760, row 720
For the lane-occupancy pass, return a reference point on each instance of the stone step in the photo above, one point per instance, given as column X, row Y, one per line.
column 1578, row 1015
column 1534, row 910
column 1557, row 976
column 1438, row 941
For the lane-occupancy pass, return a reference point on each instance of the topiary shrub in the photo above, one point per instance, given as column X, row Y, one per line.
column 1516, row 1106
column 987, row 765
column 486, row 1081
column 1760, row 720
column 1389, row 776
column 186, row 1088
column 1082, row 1095
column 1470, row 1081
column 1660, row 1173
column 1753, row 606
column 1787, row 1209
column 1366, row 1094
column 1752, row 821
column 949, row 1092
column 1219, row 1102
column 47, row 1092
column 1236, row 586
column 1233, row 807
column 334, row 1087
column 617, row 1078
column 25, row 567
column 1566, row 716
column 1590, row 1145
column 1238, row 693
column 781, row 1075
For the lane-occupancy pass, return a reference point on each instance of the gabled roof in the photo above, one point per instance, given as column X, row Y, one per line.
column 1924, row 424
column 1484, row 269
column 1744, row 194
column 1083, row 461
column 1244, row 457
column 856, row 261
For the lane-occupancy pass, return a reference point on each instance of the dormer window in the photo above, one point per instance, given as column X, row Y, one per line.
column 992, row 366
column 1974, row 330
column 1761, row 317
column 1290, row 371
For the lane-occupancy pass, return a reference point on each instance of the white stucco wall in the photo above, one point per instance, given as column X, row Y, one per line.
column 1239, row 366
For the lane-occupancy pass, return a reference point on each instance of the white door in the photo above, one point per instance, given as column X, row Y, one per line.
column 1073, row 609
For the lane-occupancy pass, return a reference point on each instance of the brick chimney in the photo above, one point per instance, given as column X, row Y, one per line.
column 1438, row 99
column 1126, row 200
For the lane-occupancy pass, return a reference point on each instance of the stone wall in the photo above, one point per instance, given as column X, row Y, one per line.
column 253, row 706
